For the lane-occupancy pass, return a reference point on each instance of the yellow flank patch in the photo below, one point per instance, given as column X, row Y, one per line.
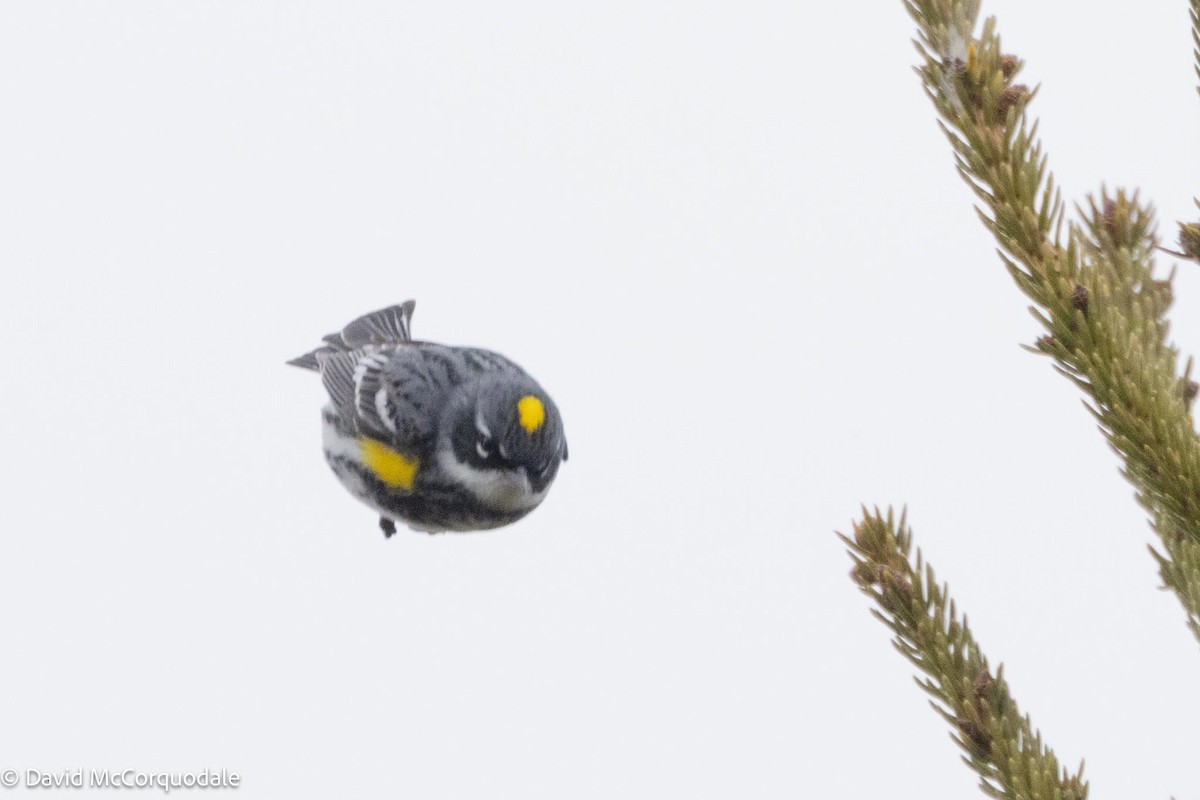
column 389, row 466
column 531, row 412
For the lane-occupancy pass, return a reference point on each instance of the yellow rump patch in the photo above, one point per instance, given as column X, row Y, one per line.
column 389, row 466
column 531, row 412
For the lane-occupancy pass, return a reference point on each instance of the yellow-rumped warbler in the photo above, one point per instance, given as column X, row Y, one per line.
column 439, row 438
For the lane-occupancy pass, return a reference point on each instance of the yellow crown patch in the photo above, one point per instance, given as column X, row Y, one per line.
column 531, row 413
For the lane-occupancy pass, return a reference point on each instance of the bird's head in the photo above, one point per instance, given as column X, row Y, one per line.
column 507, row 436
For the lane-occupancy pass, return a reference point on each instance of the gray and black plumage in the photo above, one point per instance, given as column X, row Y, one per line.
column 439, row 438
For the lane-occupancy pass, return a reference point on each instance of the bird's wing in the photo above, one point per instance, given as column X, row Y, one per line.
column 390, row 391
column 386, row 326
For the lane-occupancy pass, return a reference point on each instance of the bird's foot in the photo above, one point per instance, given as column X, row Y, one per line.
column 387, row 526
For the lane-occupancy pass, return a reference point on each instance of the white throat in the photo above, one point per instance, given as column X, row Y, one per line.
column 501, row 489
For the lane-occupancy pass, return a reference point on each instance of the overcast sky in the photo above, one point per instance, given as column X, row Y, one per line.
column 727, row 237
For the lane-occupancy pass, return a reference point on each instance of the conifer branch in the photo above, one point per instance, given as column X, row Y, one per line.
column 1195, row 14
column 1180, row 571
column 997, row 742
column 1189, row 232
column 1096, row 293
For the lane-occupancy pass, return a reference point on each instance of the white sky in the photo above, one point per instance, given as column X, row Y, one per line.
column 730, row 241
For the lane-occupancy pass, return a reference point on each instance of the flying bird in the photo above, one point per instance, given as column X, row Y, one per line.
column 438, row 438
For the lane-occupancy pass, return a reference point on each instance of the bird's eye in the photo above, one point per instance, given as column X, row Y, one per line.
column 483, row 446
